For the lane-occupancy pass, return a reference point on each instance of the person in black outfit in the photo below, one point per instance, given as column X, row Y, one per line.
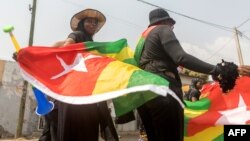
column 194, row 93
column 81, row 122
column 163, row 117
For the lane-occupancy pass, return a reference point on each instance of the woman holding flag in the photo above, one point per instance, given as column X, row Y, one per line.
column 81, row 122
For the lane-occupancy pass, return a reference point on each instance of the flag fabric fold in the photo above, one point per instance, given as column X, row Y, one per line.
column 205, row 118
column 90, row 72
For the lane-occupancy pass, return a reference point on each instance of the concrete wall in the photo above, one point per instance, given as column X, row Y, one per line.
column 10, row 93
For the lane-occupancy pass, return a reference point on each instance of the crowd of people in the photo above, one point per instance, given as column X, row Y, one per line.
column 162, row 53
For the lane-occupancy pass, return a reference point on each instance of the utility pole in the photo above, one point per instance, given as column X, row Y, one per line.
column 25, row 83
column 238, row 46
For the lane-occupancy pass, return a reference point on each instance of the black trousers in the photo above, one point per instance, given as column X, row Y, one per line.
column 77, row 122
column 163, row 118
column 50, row 129
column 81, row 122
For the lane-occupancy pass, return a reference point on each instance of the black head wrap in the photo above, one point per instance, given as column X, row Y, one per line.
column 227, row 76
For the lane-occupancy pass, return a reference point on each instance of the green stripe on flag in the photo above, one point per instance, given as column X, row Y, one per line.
column 219, row 138
column 141, row 77
column 107, row 47
column 202, row 104
column 127, row 103
column 138, row 49
column 130, row 61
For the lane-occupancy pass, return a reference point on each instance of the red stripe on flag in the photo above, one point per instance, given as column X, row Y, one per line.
column 68, row 71
column 145, row 33
column 220, row 102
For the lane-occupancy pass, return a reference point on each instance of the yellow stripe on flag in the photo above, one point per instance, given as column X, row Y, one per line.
column 114, row 72
column 125, row 53
column 193, row 113
column 206, row 135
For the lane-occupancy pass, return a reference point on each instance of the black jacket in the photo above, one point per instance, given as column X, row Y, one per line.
column 163, row 53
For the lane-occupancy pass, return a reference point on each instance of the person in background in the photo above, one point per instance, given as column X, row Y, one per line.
column 194, row 93
column 81, row 122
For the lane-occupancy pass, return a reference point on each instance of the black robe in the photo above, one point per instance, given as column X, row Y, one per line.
column 82, row 122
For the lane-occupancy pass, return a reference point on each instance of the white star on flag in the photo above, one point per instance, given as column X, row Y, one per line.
column 77, row 65
column 238, row 115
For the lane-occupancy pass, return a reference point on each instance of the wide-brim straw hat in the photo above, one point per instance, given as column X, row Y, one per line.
column 88, row 13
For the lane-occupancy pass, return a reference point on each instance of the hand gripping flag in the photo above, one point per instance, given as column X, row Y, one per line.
column 90, row 72
column 204, row 119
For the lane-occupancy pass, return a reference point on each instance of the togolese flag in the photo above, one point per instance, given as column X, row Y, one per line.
column 140, row 44
column 205, row 118
column 90, row 72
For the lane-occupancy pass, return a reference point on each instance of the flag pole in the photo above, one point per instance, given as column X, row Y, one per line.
column 238, row 46
column 25, row 83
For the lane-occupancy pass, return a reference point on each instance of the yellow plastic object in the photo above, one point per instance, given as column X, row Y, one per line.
column 14, row 41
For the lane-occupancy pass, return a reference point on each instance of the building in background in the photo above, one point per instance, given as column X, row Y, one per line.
column 11, row 85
